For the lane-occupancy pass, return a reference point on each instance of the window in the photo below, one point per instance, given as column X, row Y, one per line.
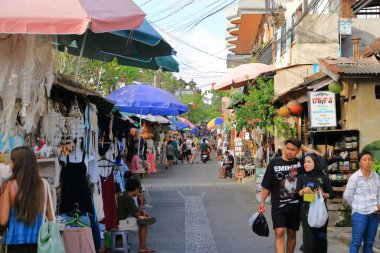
column 283, row 38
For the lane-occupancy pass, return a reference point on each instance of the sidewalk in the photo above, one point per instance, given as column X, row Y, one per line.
column 343, row 234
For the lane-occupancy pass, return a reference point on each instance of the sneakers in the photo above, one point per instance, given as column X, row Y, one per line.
column 146, row 221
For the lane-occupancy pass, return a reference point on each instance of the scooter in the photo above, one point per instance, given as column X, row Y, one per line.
column 205, row 157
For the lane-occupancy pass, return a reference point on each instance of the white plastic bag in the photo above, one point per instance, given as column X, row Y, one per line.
column 317, row 213
column 252, row 219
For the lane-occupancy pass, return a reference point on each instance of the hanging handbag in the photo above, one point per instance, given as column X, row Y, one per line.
column 49, row 237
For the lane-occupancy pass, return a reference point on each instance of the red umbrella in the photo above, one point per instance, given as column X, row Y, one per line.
column 239, row 76
column 68, row 16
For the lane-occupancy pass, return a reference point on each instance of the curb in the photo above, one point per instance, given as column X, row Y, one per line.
column 346, row 239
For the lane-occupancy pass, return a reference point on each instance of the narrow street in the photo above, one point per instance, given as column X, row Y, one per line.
column 198, row 212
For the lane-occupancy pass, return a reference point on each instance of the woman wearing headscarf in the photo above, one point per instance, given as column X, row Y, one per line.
column 313, row 181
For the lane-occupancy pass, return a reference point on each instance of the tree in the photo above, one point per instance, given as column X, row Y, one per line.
column 258, row 109
column 112, row 73
column 202, row 108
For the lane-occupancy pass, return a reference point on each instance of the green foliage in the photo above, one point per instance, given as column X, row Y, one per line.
column 258, row 109
column 112, row 73
column 201, row 108
column 284, row 128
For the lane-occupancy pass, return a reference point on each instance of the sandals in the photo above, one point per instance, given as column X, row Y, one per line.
column 146, row 221
column 147, row 250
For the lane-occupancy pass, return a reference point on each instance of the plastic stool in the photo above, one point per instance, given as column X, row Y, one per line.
column 124, row 235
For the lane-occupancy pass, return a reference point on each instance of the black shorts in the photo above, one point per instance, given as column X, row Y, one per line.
column 287, row 217
column 220, row 152
column 169, row 157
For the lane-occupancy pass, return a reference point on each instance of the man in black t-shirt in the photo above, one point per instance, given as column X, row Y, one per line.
column 280, row 180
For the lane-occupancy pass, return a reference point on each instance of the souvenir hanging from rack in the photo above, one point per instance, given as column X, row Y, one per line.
column 75, row 121
column 106, row 157
column 26, row 74
column 91, row 130
column 52, row 125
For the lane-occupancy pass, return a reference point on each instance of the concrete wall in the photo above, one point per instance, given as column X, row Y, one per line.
column 366, row 28
column 286, row 79
column 316, row 37
column 362, row 113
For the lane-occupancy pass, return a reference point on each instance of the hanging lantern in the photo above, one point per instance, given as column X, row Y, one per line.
column 295, row 107
column 284, row 111
column 335, row 87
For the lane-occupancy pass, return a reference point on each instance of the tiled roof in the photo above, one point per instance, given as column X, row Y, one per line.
column 372, row 49
column 365, row 66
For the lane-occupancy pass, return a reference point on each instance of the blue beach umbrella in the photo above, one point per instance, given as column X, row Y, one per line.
column 144, row 99
column 182, row 125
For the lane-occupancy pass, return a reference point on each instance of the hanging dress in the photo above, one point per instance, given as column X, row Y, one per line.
column 109, row 202
column 75, row 188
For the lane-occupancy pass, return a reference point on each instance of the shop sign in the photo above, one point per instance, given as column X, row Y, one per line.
column 322, row 111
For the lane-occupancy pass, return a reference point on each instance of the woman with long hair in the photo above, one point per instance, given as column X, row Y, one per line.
column 133, row 162
column 22, row 198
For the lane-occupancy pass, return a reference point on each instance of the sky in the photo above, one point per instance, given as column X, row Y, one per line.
column 175, row 21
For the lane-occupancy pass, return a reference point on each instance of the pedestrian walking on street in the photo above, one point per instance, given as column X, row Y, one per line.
column 176, row 145
column 280, row 180
column 313, row 181
column 22, row 199
column 363, row 194
column 169, row 154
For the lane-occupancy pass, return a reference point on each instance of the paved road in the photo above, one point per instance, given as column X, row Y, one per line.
column 199, row 213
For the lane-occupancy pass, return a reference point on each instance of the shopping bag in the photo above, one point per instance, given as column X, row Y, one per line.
column 253, row 218
column 318, row 215
column 49, row 237
column 260, row 226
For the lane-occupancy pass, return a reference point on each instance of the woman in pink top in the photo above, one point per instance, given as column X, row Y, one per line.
column 133, row 163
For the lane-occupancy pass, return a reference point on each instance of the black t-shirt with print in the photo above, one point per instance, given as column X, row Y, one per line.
column 280, row 179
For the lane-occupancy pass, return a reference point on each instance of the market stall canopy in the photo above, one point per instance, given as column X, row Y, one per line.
column 182, row 125
column 63, row 86
column 241, row 75
column 194, row 130
column 68, row 16
column 216, row 121
column 166, row 63
column 142, row 42
column 191, row 125
column 158, row 119
column 144, row 99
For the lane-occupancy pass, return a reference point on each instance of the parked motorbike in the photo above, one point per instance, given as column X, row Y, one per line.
column 205, row 157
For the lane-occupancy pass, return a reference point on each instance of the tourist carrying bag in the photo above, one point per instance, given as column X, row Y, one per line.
column 260, row 226
column 49, row 237
column 317, row 216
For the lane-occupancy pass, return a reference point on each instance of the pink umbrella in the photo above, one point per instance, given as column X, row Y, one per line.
column 68, row 16
column 239, row 76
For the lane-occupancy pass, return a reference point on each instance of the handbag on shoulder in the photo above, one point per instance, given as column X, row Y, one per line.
column 49, row 237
